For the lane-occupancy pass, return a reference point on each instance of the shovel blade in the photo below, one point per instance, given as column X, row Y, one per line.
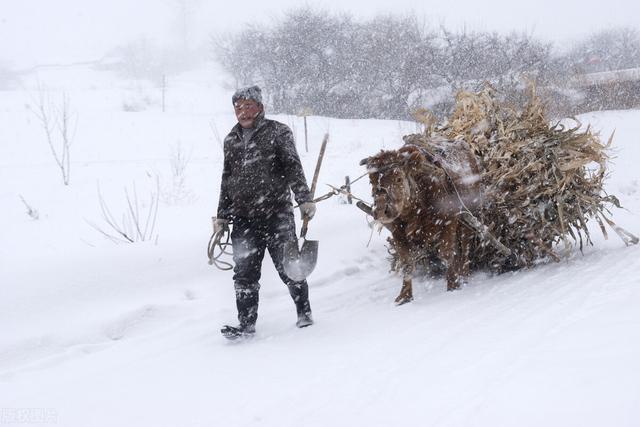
column 299, row 263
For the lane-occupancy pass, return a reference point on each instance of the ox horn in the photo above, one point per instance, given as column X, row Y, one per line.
column 364, row 162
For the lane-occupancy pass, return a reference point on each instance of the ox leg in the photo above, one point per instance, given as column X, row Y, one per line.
column 465, row 237
column 406, row 293
column 454, row 281
column 458, row 271
column 449, row 251
column 407, row 261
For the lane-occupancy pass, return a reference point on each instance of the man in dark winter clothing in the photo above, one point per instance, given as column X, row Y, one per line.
column 261, row 168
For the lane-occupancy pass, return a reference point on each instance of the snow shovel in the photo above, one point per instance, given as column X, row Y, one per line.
column 299, row 262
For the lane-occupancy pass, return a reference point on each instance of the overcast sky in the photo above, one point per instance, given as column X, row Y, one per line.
column 60, row 31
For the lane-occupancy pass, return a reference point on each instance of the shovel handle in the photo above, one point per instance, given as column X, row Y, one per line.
column 305, row 226
column 305, row 220
column 318, row 164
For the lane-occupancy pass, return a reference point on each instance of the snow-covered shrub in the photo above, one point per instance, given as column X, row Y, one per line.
column 32, row 212
column 133, row 103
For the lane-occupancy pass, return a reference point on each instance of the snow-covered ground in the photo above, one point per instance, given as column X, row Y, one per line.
column 99, row 334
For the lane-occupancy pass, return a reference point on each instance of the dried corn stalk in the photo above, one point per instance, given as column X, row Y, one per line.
column 542, row 183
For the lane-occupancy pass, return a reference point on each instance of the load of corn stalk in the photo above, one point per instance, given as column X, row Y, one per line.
column 542, row 182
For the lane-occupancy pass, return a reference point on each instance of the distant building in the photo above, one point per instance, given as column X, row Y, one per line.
column 609, row 90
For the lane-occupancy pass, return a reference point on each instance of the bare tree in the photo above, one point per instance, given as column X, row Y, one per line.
column 384, row 67
column 607, row 50
column 59, row 125
column 177, row 191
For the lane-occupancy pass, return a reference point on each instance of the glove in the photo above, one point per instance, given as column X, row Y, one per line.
column 220, row 224
column 308, row 209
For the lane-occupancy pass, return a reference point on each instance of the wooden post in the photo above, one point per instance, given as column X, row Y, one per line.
column 347, row 185
column 304, row 113
column 306, row 139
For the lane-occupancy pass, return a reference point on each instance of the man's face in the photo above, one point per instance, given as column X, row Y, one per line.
column 246, row 111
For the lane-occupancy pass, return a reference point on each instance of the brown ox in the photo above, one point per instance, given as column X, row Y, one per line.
column 419, row 193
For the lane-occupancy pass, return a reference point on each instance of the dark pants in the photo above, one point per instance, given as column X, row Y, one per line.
column 250, row 237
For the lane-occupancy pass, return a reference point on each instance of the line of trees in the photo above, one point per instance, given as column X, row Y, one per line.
column 331, row 64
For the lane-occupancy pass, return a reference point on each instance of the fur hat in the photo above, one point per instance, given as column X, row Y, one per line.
column 251, row 92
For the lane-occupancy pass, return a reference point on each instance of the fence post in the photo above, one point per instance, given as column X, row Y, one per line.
column 347, row 185
column 306, row 139
column 304, row 113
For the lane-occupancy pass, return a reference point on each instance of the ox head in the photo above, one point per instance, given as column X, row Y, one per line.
column 390, row 182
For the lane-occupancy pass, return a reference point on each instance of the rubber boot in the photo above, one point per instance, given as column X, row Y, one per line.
column 300, row 295
column 247, row 298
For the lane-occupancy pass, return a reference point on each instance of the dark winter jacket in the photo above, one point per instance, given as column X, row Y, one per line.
column 259, row 173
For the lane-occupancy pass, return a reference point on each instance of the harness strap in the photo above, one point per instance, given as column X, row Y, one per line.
column 339, row 190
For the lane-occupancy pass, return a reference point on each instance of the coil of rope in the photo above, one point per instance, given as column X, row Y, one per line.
column 219, row 242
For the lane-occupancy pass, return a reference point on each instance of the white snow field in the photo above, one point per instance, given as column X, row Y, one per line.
column 101, row 334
